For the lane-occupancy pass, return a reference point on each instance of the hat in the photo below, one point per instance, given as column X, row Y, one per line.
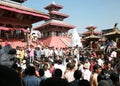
column 85, row 66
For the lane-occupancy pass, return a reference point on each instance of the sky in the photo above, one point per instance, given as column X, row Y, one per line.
column 100, row 13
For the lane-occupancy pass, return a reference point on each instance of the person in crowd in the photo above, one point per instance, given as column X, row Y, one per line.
column 57, row 73
column 47, row 51
column 22, row 54
column 42, row 74
column 31, row 53
column 93, row 78
column 115, row 77
column 113, row 54
column 77, row 76
column 104, row 79
column 46, row 70
column 31, row 79
column 37, row 53
column 9, row 77
column 69, row 74
column 52, row 68
column 55, row 80
column 80, row 66
column 84, row 83
column 100, row 60
column 42, row 54
column 59, row 65
column 109, row 68
column 87, row 63
column 18, row 52
column 86, row 72
column 76, row 52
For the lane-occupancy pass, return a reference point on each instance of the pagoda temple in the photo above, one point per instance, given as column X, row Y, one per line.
column 16, row 21
column 91, row 37
column 54, row 31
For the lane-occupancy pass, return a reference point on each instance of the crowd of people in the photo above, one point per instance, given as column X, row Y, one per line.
column 49, row 66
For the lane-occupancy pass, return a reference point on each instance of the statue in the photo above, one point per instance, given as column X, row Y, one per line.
column 7, row 56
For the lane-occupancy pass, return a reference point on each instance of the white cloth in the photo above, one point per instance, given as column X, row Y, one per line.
column 47, row 74
column 100, row 62
column 86, row 74
column 114, row 54
column 69, row 76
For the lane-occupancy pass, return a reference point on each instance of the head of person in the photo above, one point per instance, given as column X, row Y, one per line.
column 97, row 68
column 115, row 78
column 87, row 60
column 57, row 73
column 83, row 83
column 86, row 66
column 71, row 66
column 41, row 72
column 108, row 65
column 77, row 74
column 8, row 77
column 31, row 70
column 45, row 67
column 55, row 81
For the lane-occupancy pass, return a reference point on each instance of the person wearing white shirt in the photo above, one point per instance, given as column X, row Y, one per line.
column 113, row 54
column 86, row 73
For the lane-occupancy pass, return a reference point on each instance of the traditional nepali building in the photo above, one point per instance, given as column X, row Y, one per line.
column 15, row 20
column 54, row 30
column 91, row 37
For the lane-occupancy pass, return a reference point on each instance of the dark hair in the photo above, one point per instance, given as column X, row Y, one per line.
column 8, row 77
column 26, row 71
column 41, row 72
column 72, row 65
column 77, row 74
column 96, row 66
column 45, row 67
column 114, row 77
column 57, row 73
column 31, row 70
column 83, row 83
column 55, row 81
column 0, row 47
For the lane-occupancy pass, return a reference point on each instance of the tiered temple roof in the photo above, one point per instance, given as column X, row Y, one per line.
column 53, row 5
column 54, row 27
column 54, row 23
column 16, row 17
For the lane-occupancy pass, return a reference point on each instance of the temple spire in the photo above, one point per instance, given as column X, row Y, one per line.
column 53, row 2
column 115, row 27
